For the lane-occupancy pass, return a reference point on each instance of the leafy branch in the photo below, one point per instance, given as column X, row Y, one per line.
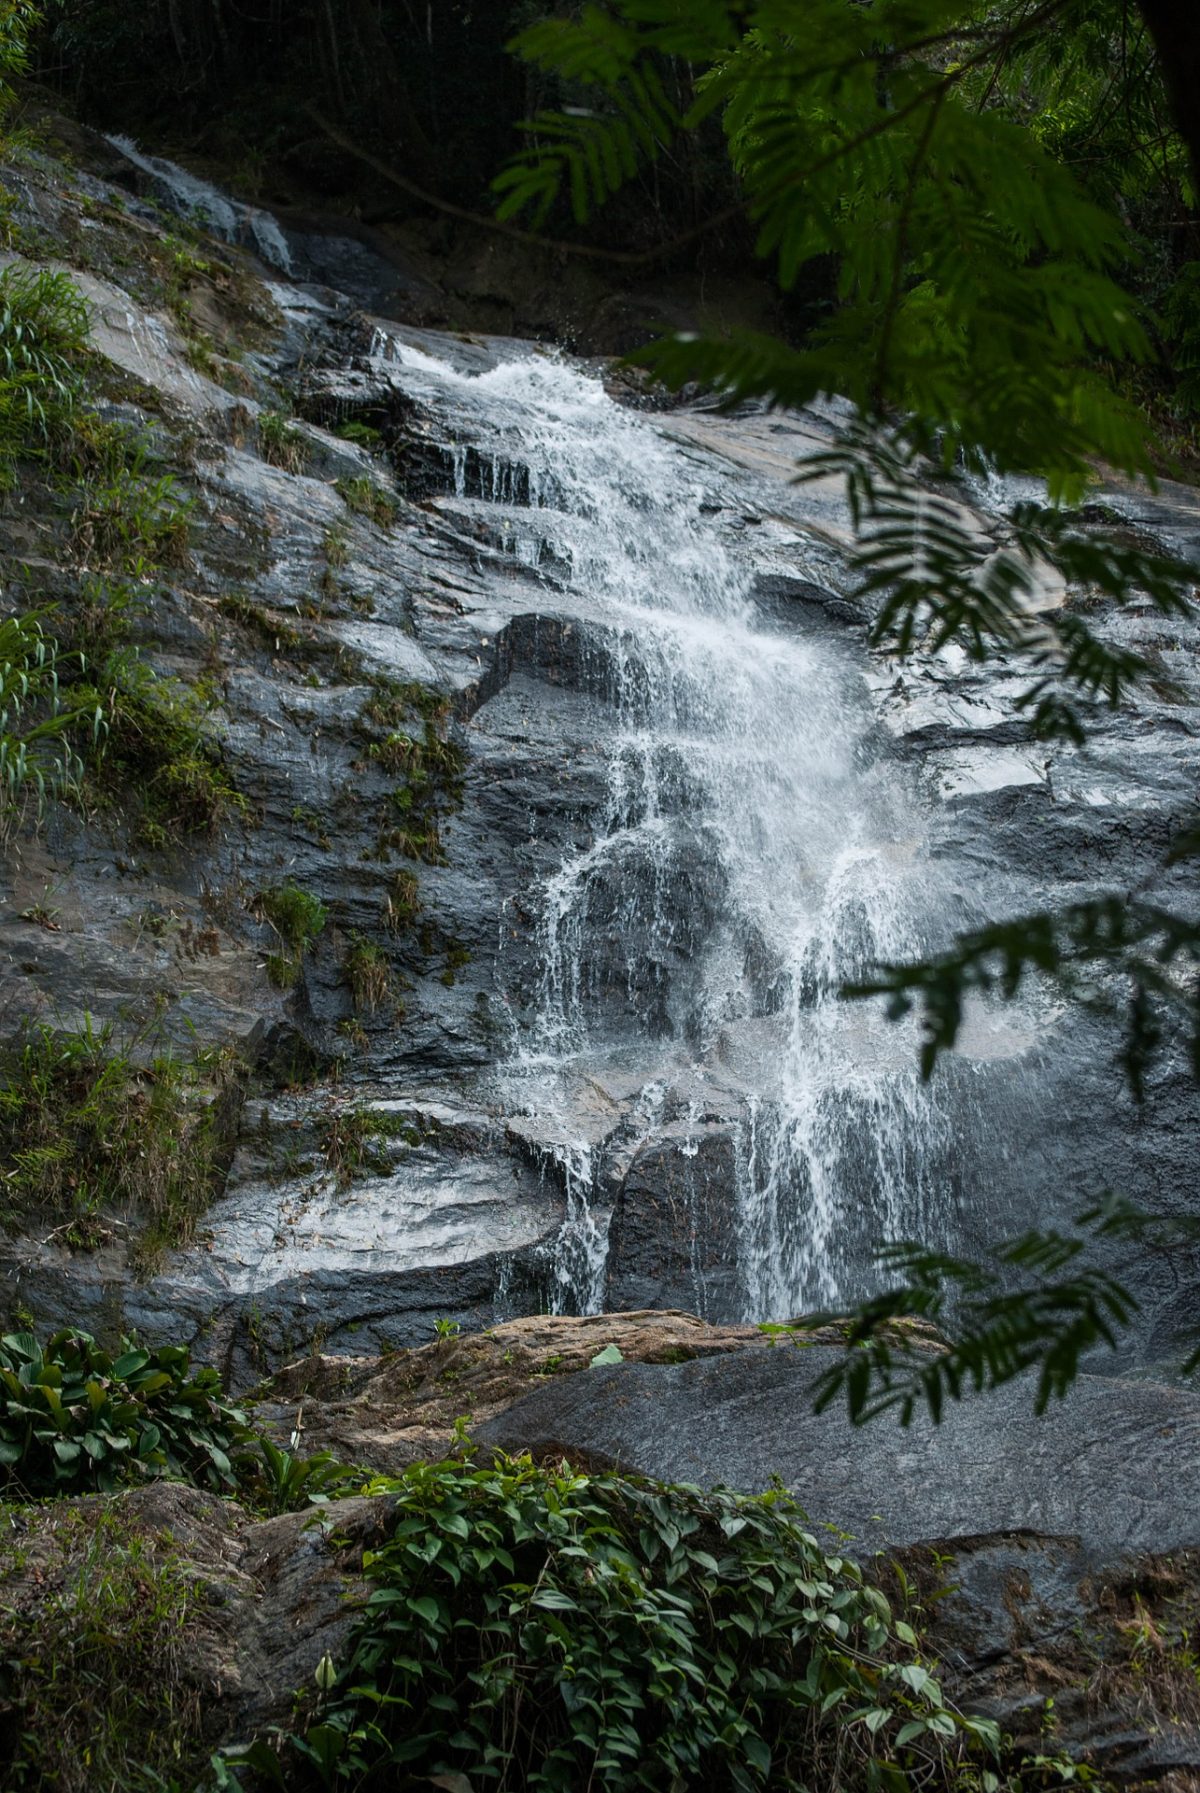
column 1036, row 1310
column 1156, row 952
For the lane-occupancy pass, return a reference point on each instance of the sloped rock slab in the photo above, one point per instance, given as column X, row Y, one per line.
column 1117, row 1465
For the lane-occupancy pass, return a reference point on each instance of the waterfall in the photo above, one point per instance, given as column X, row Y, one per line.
column 754, row 852
column 200, row 202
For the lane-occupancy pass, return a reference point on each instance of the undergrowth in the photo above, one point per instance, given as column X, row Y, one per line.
column 95, row 1129
column 533, row 1628
column 95, row 1693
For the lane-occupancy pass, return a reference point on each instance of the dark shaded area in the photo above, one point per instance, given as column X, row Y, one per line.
column 427, row 88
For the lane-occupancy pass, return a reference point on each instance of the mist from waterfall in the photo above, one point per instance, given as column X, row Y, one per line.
column 754, row 853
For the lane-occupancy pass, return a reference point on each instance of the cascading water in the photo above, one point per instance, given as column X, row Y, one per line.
column 200, row 202
column 752, row 855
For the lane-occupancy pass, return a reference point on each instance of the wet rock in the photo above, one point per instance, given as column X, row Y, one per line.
column 673, row 1240
column 1113, row 1465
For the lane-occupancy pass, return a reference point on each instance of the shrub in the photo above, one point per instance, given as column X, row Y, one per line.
column 359, row 1142
column 537, row 1629
column 298, row 918
column 74, row 1420
column 94, row 1638
column 363, row 496
column 85, row 1129
column 157, row 748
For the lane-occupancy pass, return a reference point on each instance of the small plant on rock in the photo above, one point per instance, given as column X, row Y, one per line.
column 362, row 495
column 280, row 443
column 298, row 918
column 39, row 717
column 43, row 336
column 368, row 973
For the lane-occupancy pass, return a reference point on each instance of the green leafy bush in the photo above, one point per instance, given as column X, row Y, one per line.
column 368, row 973
column 533, row 1628
column 75, row 1420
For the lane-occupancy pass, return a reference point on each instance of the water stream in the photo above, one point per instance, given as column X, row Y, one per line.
column 753, row 853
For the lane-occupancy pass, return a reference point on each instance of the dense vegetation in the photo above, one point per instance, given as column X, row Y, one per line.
column 533, row 1626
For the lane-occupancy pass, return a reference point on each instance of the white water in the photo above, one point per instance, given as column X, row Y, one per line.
column 200, row 202
column 744, row 819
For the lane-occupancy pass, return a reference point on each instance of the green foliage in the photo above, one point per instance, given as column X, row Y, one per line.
column 38, row 718
column 530, row 1627
column 127, row 522
column 1154, row 952
column 365, row 435
column 360, row 1142
column 276, row 1481
column 975, row 278
column 363, row 496
column 929, row 578
column 429, row 765
column 76, row 1420
column 43, row 335
column 298, row 918
column 94, row 1632
column 280, row 443
column 1038, row 1305
column 368, row 972
column 91, row 1125
column 158, row 750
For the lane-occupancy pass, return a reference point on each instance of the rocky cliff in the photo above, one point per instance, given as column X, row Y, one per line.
column 558, row 792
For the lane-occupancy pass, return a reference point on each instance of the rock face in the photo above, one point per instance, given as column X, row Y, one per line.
column 607, row 1065
column 1115, row 1465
